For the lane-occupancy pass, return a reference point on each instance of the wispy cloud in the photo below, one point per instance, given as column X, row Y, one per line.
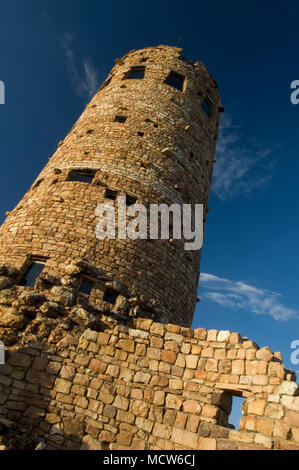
column 83, row 75
column 241, row 166
column 240, row 295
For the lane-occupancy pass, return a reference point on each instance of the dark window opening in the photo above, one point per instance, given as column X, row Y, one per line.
column 82, row 176
column 135, row 73
column 86, row 287
column 141, row 134
column 111, row 194
column 207, row 107
column 191, row 154
column 130, row 200
column 144, row 59
column 175, row 80
column 38, row 183
column 110, row 297
column 89, row 131
column 32, row 274
column 120, row 118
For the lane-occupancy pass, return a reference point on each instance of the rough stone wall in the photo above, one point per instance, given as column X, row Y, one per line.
column 146, row 385
column 162, row 153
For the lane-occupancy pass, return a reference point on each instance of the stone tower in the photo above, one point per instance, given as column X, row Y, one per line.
column 97, row 352
column 148, row 133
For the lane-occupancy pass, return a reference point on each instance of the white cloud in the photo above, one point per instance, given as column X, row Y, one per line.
column 84, row 77
column 240, row 295
column 241, row 166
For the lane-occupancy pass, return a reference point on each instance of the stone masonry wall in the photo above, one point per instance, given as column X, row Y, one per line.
column 146, row 385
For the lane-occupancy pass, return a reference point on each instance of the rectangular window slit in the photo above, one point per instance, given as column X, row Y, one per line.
column 32, row 273
column 120, row 118
column 207, row 106
column 175, row 80
column 86, row 287
column 82, row 176
column 135, row 73
column 110, row 297
column 111, row 194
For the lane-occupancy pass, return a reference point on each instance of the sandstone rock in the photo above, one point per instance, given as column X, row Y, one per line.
column 32, row 299
column 82, row 317
column 73, row 427
column 52, row 309
column 63, row 295
column 89, row 443
column 5, row 282
column 10, row 318
column 288, row 388
column 7, row 296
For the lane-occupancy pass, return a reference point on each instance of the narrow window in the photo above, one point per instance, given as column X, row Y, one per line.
column 207, row 106
column 120, row 118
column 140, row 133
column 82, row 176
column 130, row 200
column 32, row 274
column 136, row 72
column 86, row 287
column 111, row 194
column 175, row 80
column 110, row 296
column 38, row 183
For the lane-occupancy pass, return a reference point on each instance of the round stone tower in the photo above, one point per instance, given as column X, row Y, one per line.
column 148, row 133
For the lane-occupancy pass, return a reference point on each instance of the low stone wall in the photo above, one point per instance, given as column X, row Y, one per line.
column 146, row 385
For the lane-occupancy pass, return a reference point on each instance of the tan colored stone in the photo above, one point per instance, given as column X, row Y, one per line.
column 295, row 433
column 126, row 345
column 184, row 438
column 124, row 438
column 162, row 430
column 191, row 361
column 264, row 426
column 62, row 386
column 173, row 401
column 263, row 440
column 169, row 356
column 192, row 406
column 257, row 407
column 177, row 384
column 210, row 411
column 207, row 443
column 107, row 436
column 238, row 367
column 89, row 443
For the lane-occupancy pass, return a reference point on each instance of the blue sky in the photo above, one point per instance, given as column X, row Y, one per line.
column 54, row 54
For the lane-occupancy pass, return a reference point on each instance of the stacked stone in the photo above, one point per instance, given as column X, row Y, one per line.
column 151, row 386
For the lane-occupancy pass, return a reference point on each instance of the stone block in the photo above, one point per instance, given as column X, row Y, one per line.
column 184, row 438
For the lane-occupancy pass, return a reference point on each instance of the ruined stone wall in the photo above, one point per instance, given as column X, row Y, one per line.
column 162, row 151
column 145, row 385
